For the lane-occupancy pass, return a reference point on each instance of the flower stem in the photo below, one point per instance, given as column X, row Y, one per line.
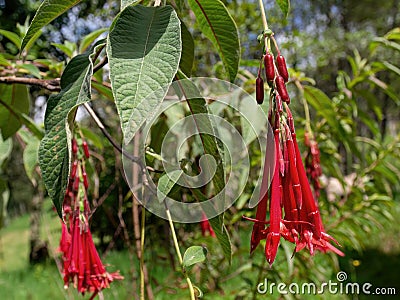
column 178, row 252
column 265, row 24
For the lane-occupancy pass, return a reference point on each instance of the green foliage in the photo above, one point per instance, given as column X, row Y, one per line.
column 187, row 58
column 47, row 12
column 14, row 100
column 144, row 48
column 221, row 30
column 353, row 104
column 284, row 5
column 55, row 147
column 13, row 37
column 194, row 255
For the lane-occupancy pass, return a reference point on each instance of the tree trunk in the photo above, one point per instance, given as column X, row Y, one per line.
column 38, row 248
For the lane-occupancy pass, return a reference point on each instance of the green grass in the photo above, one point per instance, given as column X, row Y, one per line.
column 19, row 280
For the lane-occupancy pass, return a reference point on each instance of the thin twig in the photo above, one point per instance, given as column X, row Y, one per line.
column 103, row 198
column 52, row 85
column 101, row 64
column 178, row 252
column 96, row 119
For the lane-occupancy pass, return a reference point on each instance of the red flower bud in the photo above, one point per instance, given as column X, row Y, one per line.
column 269, row 67
column 281, row 88
column 74, row 168
column 282, row 70
column 85, row 149
column 259, row 90
column 85, row 180
column 74, row 146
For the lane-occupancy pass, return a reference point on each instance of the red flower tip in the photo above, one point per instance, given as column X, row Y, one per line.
column 271, row 246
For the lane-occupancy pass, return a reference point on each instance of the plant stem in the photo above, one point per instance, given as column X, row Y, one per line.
column 265, row 24
column 142, row 231
column 52, row 85
column 178, row 252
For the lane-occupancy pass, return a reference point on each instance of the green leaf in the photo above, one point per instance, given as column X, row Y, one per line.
column 166, row 183
column 4, row 62
column 392, row 68
column 30, row 156
column 101, row 89
column 13, row 37
column 47, row 12
column 322, row 104
column 14, row 100
column 32, row 69
column 68, row 48
column 384, row 42
column 55, row 147
column 187, row 58
column 194, row 255
column 218, row 26
column 212, row 146
column 90, row 38
column 144, row 49
column 5, row 149
column 284, row 5
column 32, row 41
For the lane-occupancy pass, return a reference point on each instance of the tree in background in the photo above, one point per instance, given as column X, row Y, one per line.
column 343, row 80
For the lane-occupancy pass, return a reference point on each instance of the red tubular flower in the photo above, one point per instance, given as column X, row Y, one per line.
column 300, row 223
column 206, row 226
column 81, row 263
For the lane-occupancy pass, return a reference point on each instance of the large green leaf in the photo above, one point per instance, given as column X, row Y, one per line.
column 55, row 147
column 144, row 49
column 47, row 12
column 14, row 100
column 212, row 146
column 186, row 63
column 218, row 26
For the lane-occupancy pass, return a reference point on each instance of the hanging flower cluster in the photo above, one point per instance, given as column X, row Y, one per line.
column 81, row 263
column 313, row 166
column 293, row 210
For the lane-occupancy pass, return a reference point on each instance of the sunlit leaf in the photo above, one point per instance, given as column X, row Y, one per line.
column 194, row 255
column 144, row 49
column 47, row 12
column 218, row 26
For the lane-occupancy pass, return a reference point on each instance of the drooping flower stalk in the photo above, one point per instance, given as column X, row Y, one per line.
column 293, row 209
column 82, row 265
